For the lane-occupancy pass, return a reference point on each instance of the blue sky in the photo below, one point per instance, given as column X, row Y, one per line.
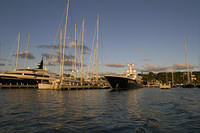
column 131, row 31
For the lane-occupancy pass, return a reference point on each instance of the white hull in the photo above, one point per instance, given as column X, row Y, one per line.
column 165, row 86
column 44, row 86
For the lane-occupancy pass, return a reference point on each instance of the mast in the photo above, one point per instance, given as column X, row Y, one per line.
column 82, row 49
column 172, row 77
column 186, row 60
column 26, row 52
column 60, row 59
column 97, row 45
column 18, row 43
column 64, row 42
column 75, row 51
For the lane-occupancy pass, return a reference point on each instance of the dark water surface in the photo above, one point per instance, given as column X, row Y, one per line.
column 142, row 111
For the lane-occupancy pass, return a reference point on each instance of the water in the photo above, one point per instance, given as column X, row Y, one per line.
column 141, row 111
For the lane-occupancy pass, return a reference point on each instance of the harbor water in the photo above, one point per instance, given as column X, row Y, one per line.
column 143, row 110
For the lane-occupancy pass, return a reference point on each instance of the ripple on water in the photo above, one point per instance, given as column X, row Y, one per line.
column 140, row 111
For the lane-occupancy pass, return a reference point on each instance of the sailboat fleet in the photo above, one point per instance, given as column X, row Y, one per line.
column 43, row 79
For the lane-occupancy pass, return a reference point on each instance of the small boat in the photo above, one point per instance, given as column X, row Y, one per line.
column 165, row 86
column 189, row 85
column 198, row 86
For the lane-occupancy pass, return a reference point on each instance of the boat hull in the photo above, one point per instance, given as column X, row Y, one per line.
column 165, row 86
column 14, row 82
column 120, row 83
column 44, row 86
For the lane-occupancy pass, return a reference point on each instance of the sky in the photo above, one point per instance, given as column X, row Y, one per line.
column 147, row 33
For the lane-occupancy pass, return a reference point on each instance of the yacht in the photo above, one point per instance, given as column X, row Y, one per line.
column 27, row 78
column 129, row 80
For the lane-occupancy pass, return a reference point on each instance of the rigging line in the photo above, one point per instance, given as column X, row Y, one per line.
column 101, row 43
column 64, row 41
column 56, row 36
column 92, row 48
column 79, row 51
column 9, row 57
column 27, row 52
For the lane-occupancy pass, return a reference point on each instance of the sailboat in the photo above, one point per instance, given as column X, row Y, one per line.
column 166, row 85
column 189, row 84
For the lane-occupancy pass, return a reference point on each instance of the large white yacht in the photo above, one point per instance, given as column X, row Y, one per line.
column 25, row 77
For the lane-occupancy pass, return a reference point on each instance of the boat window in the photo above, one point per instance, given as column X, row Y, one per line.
column 42, row 76
column 28, row 74
column 14, row 73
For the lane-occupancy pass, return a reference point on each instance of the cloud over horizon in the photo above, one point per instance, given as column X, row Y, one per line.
column 116, row 65
column 145, row 60
column 67, row 62
column 1, row 64
column 49, row 56
column 25, row 54
column 183, row 66
column 2, row 59
column 49, row 46
column 174, row 67
column 153, row 68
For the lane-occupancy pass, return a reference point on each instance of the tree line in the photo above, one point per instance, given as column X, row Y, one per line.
column 178, row 77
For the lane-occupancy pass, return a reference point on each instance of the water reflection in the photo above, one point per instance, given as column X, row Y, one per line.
column 142, row 110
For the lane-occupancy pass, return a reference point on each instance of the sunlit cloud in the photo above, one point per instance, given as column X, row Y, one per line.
column 49, row 46
column 70, row 62
column 183, row 66
column 25, row 54
column 85, row 48
column 67, row 62
column 68, row 70
column 107, row 73
column 2, row 59
column 1, row 64
column 145, row 60
column 116, row 65
column 179, row 67
column 153, row 68
column 49, row 56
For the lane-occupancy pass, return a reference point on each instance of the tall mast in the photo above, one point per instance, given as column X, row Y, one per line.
column 26, row 52
column 82, row 49
column 75, row 51
column 64, row 42
column 60, row 59
column 97, row 45
column 18, row 43
column 186, row 59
